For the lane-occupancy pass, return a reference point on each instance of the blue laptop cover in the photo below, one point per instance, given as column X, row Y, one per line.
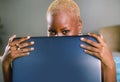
column 57, row 59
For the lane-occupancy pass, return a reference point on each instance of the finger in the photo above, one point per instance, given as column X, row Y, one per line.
column 92, row 43
column 25, row 50
column 98, row 37
column 18, row 41
column 92, row 53
column 101, row 36
column 90, row 48
column 23, row 45
column 22, row 40
column 21, row 55
column 12, row 38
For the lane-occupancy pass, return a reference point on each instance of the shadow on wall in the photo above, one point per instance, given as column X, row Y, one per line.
column 1, row 36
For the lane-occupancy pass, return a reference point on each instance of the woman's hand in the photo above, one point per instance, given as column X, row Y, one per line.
column 101, row 51
column 16, row 48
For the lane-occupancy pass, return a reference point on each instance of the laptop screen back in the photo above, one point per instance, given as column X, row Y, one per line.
column 57, row 59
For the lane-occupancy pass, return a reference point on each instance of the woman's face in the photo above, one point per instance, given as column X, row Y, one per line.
column 63, row 24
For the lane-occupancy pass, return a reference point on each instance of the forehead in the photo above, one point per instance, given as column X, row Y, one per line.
column 61, row 18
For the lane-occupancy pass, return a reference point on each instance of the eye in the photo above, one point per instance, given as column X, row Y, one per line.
column 65, row 31
column 52, row 32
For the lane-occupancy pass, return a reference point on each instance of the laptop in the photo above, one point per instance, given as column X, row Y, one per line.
column 57, row 59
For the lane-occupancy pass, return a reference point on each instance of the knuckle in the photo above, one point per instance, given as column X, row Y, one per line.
column 86, row 40
column 92, row 42
column 28, row 44
column 20, row 40
column 89, row 48
column 21, row 45
column 24, row 45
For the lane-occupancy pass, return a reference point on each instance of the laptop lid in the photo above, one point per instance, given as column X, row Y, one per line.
column 57, row 59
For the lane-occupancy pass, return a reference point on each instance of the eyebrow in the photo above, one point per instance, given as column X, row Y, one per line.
column 51, row 29
column 64, row 28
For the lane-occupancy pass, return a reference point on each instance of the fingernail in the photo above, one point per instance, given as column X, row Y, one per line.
column 14, row 35
column 28, row 53
column 101, row 36
column 82, row 39
column 89, row 33
column 32, row 42
column 85, row 50
column 82, row 45
column 32, row 48
column 28, row 37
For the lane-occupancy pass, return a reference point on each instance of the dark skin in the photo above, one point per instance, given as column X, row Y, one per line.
column 62, row 24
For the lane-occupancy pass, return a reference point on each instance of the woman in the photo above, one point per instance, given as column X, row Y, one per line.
column 63, row 19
